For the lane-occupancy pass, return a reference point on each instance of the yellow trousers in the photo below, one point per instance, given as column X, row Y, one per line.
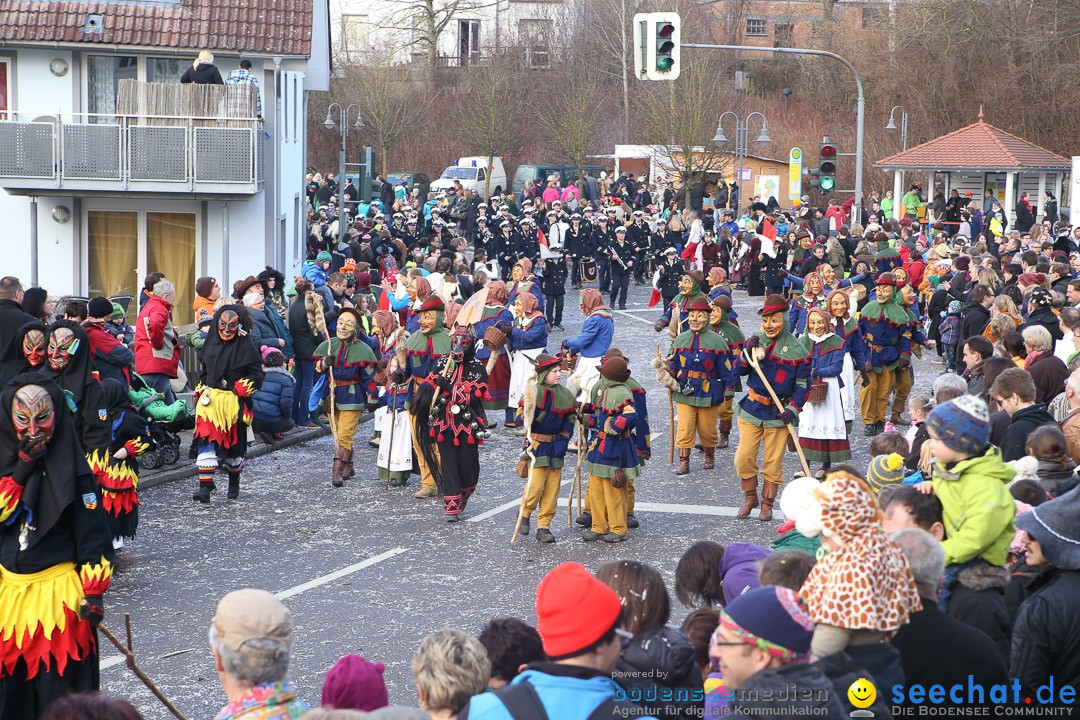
column 346, row 422
column 902, row 381
column 426, row 478
column 772, row 441
column 544, row 487
column 874, row 398
column 631, row 495
column 608, row 505
column 696, row 422
column 725, row 409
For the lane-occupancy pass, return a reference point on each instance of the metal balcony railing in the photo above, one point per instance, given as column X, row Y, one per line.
column 137, row 153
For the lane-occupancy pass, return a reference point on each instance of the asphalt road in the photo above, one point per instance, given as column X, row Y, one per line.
column 368, row 571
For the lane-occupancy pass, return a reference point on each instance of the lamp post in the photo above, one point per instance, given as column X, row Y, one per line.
column 903, row 125
column 742, row 140
column 898, row 175
column 342, row 126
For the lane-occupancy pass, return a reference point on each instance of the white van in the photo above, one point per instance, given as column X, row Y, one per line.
column 472, row 173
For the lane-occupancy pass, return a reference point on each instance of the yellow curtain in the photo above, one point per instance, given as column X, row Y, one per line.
column 113, row 249
column 170, row 248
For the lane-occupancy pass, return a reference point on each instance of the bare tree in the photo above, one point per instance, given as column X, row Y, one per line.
column 570, row 115
column 493, row 125
column 390, row 105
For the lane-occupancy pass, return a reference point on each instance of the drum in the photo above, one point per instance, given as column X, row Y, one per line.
column 588, row 270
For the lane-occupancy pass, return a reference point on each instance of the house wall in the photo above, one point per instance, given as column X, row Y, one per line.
column 804, row 18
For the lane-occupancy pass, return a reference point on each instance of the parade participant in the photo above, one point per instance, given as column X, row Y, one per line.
column 886, row 257
column 886, row 329
column 523, row 281
column 822, row 429
column 26, row 353
column 602, row 238
column 720, row 320
column 449, row 416
column 527, row 242
column 846, row 327
column 548, row 412
column 590, row 344
column 785, row 364
column 661, row 240
column 612, row 457
column 424, row 349
column 623, row 262
column 698, row 372
column 231, row 373
column 394, row 460
column 670, row 271
column 419, row 290
column 905, row 378
column 351, row 364
column 391, row 343
column 55, row 552
column 68, row 361
column 120, row 476
column 637, row 234
column 691, row 286
column 812, row 296
column 495, row 313
column 553, row 283
column 528, row 338
column 578, row 244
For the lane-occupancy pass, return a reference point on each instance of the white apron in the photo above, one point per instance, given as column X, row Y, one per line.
column 401, row 460
column 521, row 369
column 847, row 392
column 583, row 378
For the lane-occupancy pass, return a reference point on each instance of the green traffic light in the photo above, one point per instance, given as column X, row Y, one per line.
column 665, row 63
column 827, row 183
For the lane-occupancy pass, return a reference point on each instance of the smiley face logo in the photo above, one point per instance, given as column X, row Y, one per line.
column 862, row 693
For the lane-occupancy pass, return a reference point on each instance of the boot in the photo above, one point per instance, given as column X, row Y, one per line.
column 684, row 461
column 346, row 458
column 749, row 487
column 768, row 497
column 337, row 478
column 897, row 419
column 710, row 458
column 725, row 434
column 203, row 493
column 234, row 485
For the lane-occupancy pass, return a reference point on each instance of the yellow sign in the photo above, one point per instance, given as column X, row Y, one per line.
column 795, row 174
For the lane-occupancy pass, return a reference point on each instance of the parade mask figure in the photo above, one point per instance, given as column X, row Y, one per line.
column 828, row 275
column 62, row 345
column 411, row 290
column 813, row 283
column 346, row 327
column 772, row 325
column 33, row 416
column 33, row 347
column 900, row 275
column 838, row 305
column 426, row 320
column 460, row 341
column 686, row 284
column 815, row 324
column 884, row 293
column 517, row 274
column 908, row 294
column 698, row 320
column 228, row 325
column 716, row 316
column 519, row 311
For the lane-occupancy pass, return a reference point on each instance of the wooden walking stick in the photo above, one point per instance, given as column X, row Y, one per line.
column 576, row 484
column 772, row 393
column 671, row 414
column 129, row 655
column 320, row 327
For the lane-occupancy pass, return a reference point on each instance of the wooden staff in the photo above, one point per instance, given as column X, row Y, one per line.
column 126, row 651
column 577, row 478
column 772, row 393
column 320, row 326
column 671, row 415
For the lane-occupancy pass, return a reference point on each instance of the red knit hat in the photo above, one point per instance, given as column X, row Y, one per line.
column 574, row 610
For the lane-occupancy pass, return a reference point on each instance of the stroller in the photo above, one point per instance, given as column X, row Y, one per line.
column 165, row 421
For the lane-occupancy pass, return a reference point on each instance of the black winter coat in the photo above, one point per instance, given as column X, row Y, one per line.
column 1046, row 318
column 304, row 338
column 974, row 320
column 661, row 657
column 1023, row 424
column 204, row 74
column 755, row 698
column 1046, row 635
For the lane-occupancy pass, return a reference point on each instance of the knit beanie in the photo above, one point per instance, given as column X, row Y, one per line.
column 99, row 307
column 355, row 683
column 955, row 307
column 962, row 424
column 774, row 619
column 574, row 611
column 117, row 311
column 204, row 286
column 885, row 470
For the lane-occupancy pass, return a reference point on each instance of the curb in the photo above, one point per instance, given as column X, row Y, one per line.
column 184, row 468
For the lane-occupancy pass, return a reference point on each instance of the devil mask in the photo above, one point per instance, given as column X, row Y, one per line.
column 461, row 341
column 33, row 415
column 228, row 325
column 62, row 345
column 33, row 347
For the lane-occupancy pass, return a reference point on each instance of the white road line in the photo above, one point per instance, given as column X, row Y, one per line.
column 504, row 507
column 634, row 317
column 713, row 510
column 112, row 662
column 284, row 594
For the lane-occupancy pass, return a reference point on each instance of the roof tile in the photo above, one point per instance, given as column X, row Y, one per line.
column 978, row 145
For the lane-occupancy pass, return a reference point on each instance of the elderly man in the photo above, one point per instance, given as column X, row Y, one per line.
column 157, row 348
column 1070, row 424
column 251, row 639
column 12, row 318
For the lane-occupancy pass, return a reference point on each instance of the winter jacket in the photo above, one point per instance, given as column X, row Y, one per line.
column 274, row 399
column 1024, row 422
column 842, row 671
column 658, row 660
column 264, row 331
column 1046, row 635
column 1049, row 374
column 758, row 696
column 202, row 74
column 595, row 337
column 1046, row 318
column 110, row 357
column 315, row 274
column 157, row 348
column 950, row 329
column 975, row 320
column 739, row 568
column 977, row 508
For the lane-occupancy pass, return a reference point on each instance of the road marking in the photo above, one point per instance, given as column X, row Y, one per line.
column 112, row 662
column 630, row 315
column 713, row 510
column 504, row 507
column 285, row 594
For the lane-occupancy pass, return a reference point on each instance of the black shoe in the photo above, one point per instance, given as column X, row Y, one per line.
column 632, row 522
column 584, row 520
column 453, row 518
column 622, row 307
column 613, row 538
column 544, row 535
column 870, row 430
column 591, row 536
column 234, row 486
column 202, row 494
column 523, row 526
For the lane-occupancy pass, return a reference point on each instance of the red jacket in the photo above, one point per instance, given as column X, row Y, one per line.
column 157, row 348
column 110, row 357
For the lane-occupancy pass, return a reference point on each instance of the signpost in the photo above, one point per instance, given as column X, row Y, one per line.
column 795, row 165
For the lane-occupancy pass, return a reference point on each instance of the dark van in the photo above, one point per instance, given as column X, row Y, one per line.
column 568, row 173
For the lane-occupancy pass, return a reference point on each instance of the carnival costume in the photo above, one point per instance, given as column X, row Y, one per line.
column 886, row 329
column 423, row 350
column 802, row 304
column 528, row 338
column 691, row 287
column 846, row 328
column 120, row 479
column 822, row 428
column 591, row 343
column 720, row 319
column 495, row 313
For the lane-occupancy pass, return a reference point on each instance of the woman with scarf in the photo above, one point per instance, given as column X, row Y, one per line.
column 718, row 285
column 528, row 338
column 525, row 282
column 231, row 373
column 846, row 327
column 390, row 344
column 55, row 551
column 496, row 313
column 813, row 295
column 822, row 426
column 393, row 431
column 419, row 290
column 591, row 343
column 120, row 478
column 691, row 287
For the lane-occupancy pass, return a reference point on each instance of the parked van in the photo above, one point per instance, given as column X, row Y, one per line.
column 568, row 173
column 471, row 172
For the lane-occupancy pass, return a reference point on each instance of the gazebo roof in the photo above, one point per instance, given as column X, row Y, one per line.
column 979, row 146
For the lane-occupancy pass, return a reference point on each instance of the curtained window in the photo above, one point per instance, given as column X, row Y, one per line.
column 113, row 249
column 104, row 73
column 170, row 248
column 166, row 70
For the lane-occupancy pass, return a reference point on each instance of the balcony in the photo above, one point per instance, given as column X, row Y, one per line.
column 147, row 154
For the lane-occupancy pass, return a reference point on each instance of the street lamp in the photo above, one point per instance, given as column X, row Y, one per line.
column 343, row 127
column 742, row 137
column 903, row 125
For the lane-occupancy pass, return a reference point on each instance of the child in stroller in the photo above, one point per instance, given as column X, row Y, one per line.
column 165, row 421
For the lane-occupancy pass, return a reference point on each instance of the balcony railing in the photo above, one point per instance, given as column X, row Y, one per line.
column 131, row 153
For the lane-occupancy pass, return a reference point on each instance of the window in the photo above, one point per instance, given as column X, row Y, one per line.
column 165, row 70
column 113, row 250
column 536, row 36
column 756, row 26
column 170, row 248
column 354, row 33
column 481, row 174
column 468, row 42
column 104, row 73
column 782, row 35
column 5, row 88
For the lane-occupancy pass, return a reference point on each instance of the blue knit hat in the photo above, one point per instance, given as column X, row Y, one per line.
column 774, row 619
column 955, row 306
column 962, row 424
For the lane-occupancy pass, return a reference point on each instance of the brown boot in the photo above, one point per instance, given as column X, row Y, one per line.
column 896, row 419
column 710, row 458
column 338, row 479
column 749, row 487
column 346, row 458
column 725, row 434
column 768, row 497
column 684, row 461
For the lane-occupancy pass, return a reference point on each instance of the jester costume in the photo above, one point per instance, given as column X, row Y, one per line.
column 495, row 312
column 904, row 379
column 456, row 423
column 886, row 258
column 352, row 368
column 698, row 373
column 423, row 350
column 120, row 479
column 802, row 304
column 231, row 373
column 886, row 329
column 785, row 363
column 691, row 287
column 55, row 552
column 720, row 319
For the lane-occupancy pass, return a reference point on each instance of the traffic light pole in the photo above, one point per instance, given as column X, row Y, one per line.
column 860, row 108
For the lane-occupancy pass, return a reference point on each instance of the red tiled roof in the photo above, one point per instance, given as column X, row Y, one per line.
column 271, row 27
column 978, row 145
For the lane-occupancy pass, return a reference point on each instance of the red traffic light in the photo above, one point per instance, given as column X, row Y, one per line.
column 828, row 151
column 665, row 30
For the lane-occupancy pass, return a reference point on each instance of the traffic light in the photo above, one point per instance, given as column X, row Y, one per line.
column 657, row 45
column 826, row 173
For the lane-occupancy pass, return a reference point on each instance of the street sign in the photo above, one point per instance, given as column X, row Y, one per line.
column 795, row 165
